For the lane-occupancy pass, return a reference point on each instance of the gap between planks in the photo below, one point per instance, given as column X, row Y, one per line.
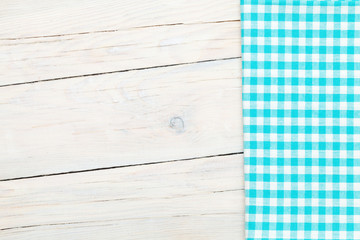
column 122, row 166
column 117, row 30
column 28, row 61
column 68, row 16
column 119, row 71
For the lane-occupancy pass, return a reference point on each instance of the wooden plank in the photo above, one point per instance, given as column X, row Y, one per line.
column 197, row 199
column 118, row 119
column 37, row 18
column 27, row 60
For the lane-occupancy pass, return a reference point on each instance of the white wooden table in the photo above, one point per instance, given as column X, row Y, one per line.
column 120, row 120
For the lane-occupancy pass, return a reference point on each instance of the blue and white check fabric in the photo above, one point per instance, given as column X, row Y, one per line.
column 301, row 107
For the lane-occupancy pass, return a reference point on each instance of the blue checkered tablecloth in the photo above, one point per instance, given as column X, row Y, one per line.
column 301, row 107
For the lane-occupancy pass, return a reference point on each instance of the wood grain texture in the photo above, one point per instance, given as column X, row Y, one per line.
column 36, row 59
column 118, row 119
column 39, row 18
column 197, row 199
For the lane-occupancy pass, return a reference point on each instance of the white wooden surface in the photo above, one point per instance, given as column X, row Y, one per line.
column 194, row 199
column 120, row 120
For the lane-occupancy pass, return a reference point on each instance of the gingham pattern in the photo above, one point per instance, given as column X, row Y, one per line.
column 301, row 101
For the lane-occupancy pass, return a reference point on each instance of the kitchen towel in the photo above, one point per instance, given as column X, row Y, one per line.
column 301, row 108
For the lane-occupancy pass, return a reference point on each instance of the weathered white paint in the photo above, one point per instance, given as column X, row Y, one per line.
column 196, row 199
column 26, row 60
column 118, row 119
column 37, row 18
column 139, row 116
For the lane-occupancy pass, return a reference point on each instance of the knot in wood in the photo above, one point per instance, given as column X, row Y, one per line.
column 177, row 123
